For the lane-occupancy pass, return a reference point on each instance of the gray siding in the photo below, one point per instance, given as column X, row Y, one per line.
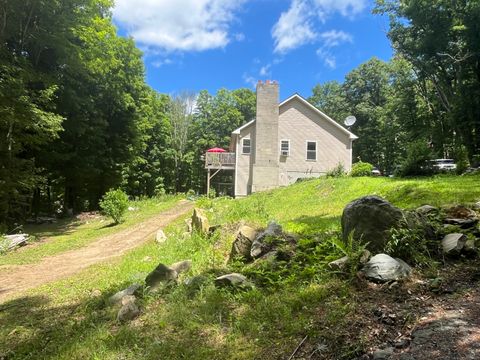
column 299, row 124
column 243, row 172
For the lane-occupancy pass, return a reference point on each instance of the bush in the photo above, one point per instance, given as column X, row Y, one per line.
column 361, row 169
column 114, row 204
column 417, row 161
column 337, row 171
column 461, row 157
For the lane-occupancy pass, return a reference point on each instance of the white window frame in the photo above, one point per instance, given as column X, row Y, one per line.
column 288, row 150
column 249, row 146
column 306, row 150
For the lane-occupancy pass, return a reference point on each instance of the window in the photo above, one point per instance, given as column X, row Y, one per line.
column 285, row 147
column 312, row 150
column 246, row 146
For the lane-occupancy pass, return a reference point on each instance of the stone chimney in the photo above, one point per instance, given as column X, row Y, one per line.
column 266, row 160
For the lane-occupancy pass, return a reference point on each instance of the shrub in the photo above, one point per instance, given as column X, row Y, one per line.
column 361, row 169
column 417, row 161
column 461, row 157
column 337, row 171
column 114, row 204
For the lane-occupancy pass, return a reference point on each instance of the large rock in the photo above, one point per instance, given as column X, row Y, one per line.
column 200, row 222
column 264, row 242
column 232, row 280
column 243, row 242
column 160, row 275
column 369, row 219
column 116, row 298
column 383, row 268
column 427, row 209
column 453, row 244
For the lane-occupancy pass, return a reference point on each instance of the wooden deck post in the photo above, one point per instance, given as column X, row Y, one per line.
column 208, row 182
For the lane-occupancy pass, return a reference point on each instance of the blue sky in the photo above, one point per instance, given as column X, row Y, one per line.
column 211, row 44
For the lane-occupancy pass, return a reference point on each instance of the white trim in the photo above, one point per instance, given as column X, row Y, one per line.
column 288, row 141
column 237, row 131
column 250, row 146
column 328, row 118
column 306, row 150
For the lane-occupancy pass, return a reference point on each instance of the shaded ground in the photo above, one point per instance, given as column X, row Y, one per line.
column 422, row 319
column 15, row 279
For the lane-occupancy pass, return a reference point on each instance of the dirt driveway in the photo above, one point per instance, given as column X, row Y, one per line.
column 15, row 279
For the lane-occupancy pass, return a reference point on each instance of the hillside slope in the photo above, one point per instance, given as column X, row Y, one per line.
column 338, row 317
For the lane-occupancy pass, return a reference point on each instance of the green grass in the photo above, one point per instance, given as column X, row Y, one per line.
column 63, row 321
column 70, row 234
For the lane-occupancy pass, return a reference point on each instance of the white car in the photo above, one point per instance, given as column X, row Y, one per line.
column 444, row 164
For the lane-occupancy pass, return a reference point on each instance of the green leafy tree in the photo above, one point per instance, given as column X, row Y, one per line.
column 114, row 204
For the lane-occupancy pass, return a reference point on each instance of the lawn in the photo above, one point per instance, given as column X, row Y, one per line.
column 70, row 234
column 64, row 320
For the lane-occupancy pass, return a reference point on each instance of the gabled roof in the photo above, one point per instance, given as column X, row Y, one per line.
column 305, row 102
column 237, row 131
column 328, row 118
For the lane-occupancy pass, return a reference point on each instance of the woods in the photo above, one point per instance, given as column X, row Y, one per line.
column 78, row 118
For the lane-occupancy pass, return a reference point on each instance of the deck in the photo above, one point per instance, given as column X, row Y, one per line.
column 224, row 161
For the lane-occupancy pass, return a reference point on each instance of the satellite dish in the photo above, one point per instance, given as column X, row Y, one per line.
column 350, row 120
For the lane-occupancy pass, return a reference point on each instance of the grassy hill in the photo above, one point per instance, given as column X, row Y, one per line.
column 70, row 319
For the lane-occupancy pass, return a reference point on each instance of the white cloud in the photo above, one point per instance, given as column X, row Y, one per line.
column 297, row 25
column 332, row 39
column 180, row 25
column 160, row 63
column 250, row 80
column 347, row 8
column 265, row 70
column 293, row 29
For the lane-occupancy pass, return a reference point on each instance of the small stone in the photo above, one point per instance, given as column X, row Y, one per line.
column 128, row 312
column 160, row 237
column 384, row 268
column 196, row 282
column 243, row 242
column 339, row 264
column 161, row 274
column 116, row 298
column 426, row 209
column 200, row 222
column 382, row 354
column 453, row 243
column 233, row 280
column 181, row 266
column 147, row 259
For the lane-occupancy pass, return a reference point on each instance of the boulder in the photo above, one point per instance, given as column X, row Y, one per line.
column 160, row 237
column 181, row 266
column 384, row 268
column 232, row 280
column 117, row 297
column 243, row 242
column 476, row 206
column 200, row 222
column 369, row 219
column 161, row 274
column 263, row 243
column 452, row 244
column 129, row 309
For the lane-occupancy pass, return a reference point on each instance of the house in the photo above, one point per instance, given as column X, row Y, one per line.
column 285, row 142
